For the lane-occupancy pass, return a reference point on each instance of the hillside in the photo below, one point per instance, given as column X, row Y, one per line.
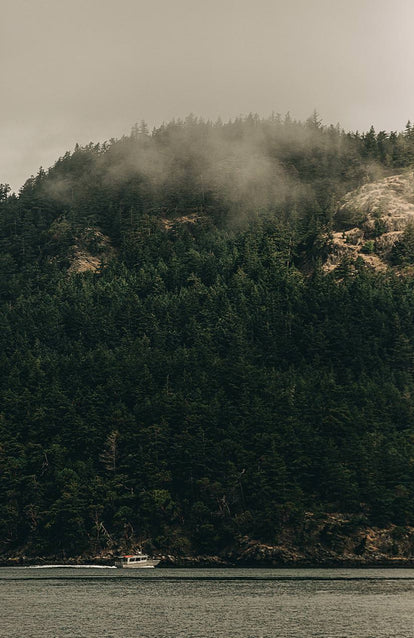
column 178, row 368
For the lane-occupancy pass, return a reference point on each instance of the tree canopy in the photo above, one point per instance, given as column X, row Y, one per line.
column 207, row 381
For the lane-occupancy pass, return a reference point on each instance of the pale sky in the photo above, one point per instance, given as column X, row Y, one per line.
column 86, row 70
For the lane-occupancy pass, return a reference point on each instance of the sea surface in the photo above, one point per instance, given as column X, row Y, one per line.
column 86, row 601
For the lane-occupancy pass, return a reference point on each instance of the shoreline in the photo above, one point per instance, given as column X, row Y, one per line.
column 331, row 541
column 217, row 562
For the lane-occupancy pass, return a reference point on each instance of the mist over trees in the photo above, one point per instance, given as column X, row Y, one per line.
column 208, row 381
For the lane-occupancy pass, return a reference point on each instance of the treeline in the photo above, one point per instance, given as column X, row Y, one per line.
column 209, row 381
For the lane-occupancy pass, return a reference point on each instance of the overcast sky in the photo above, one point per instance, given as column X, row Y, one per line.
column 86, row 70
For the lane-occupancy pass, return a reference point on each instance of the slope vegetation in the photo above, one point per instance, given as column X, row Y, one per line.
column 176, row 369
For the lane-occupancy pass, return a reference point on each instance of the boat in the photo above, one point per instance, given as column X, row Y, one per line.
column 134, row 561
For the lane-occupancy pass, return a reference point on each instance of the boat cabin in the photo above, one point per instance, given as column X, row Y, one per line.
column 132, row 558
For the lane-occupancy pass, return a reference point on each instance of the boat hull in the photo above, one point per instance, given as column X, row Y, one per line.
column 149, row 564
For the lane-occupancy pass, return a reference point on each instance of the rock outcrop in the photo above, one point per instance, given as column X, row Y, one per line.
column 372, row 219
column 90, row 251
column 333, row 540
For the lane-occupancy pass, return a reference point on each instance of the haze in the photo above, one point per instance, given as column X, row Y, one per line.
column 86, row 70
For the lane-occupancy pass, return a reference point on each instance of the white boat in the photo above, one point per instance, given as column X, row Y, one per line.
column 134, row 561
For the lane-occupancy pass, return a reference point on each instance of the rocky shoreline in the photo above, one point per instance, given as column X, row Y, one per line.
column 331, row 540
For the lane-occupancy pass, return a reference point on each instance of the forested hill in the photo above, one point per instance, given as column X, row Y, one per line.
column 178, row 367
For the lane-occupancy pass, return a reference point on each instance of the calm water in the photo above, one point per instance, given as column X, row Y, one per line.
column 203, row 603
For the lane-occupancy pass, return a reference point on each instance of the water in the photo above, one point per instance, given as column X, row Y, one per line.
column 206, row 603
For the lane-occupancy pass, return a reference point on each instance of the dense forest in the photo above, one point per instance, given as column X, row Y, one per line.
column 207, row 380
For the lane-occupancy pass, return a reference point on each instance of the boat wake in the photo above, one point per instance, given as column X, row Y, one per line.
column 69, row 567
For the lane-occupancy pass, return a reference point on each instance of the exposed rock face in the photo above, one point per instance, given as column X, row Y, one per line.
column 390, row 199
column 172, row 223
column 373, row 217
column 91, row 249
column 83, row 261
column 351, row 244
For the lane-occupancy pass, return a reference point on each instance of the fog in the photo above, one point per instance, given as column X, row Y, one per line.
column 87, row 70
column 239, row 164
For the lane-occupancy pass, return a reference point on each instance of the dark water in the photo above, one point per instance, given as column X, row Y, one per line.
column 203, row 603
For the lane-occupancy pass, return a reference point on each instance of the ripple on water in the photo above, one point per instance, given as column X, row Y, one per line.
column 89, row 602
